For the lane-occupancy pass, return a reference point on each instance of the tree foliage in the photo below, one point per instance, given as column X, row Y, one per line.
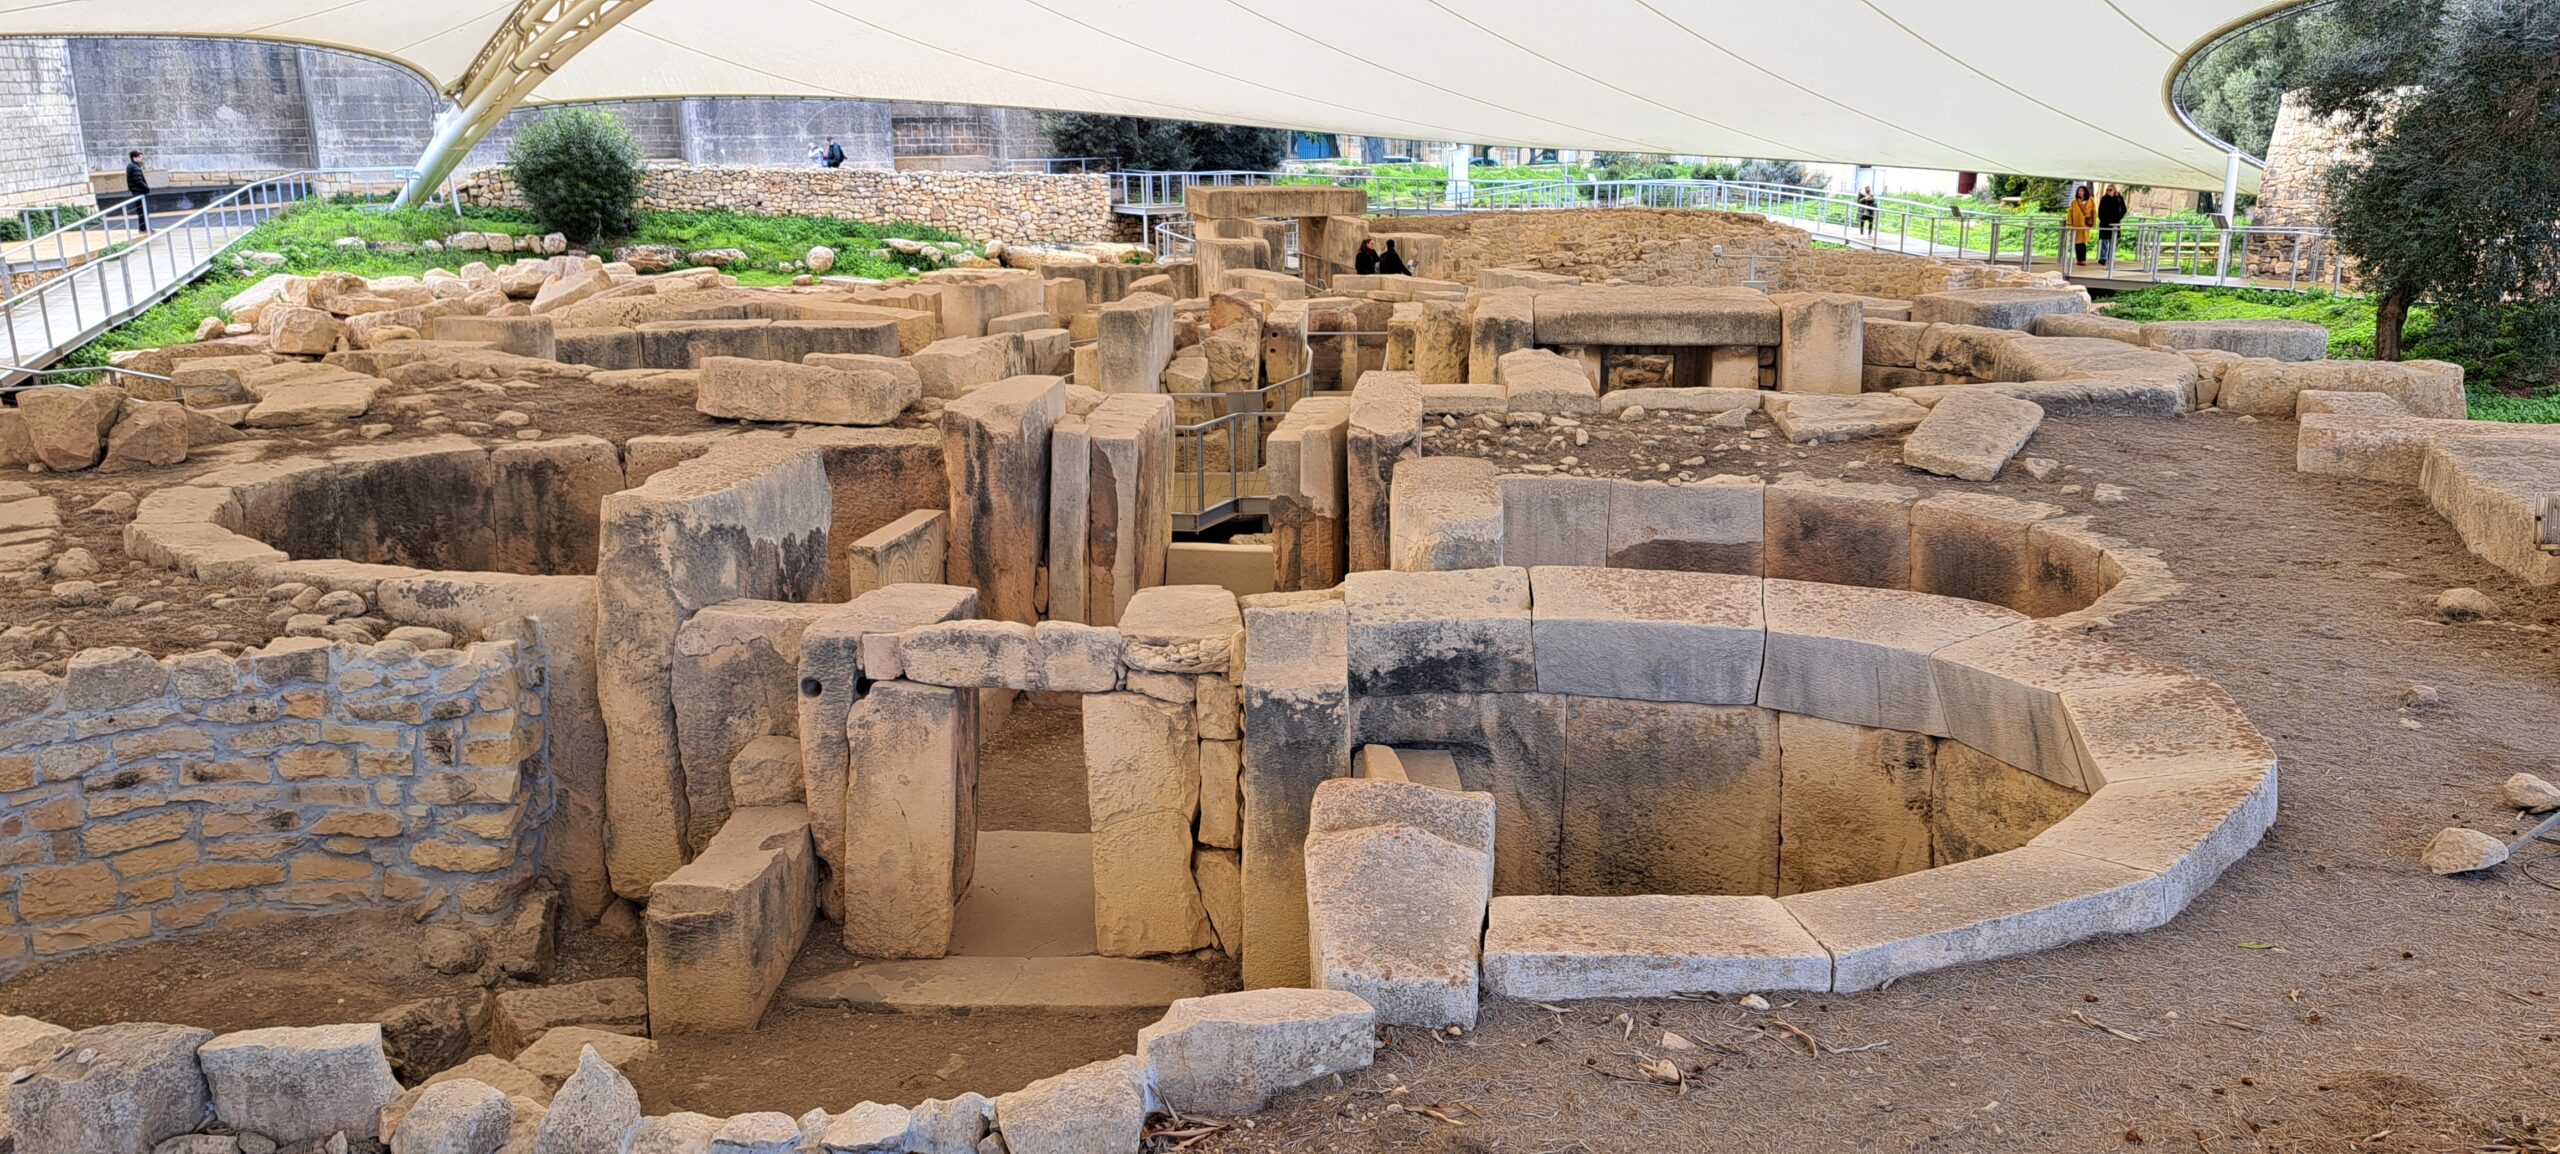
column 2235, row 90
column 2456, row 198
column 580, row 172
column 1138, row 142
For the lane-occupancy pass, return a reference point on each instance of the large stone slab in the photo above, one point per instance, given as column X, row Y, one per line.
column 2019, row 902
column 1229, row 1053
column 1841, row 532
column 736, row 680
column 2003, row 693
column 747, row 519
column 2270, row 337
column 1539, row 381
column 1553, row 520
column 1396, row 910
column 1971, row 438
column 1099, row 1108
column 996, row 455
column 910, row 824
column 1297, row 734
column 1853, row 803
column 299, row 1084
column 1503, row 322
column 1384, row 429
column 1997, row 308
column 1861, row 656
column 1229, row 202
column 1127, row 529
column 1814, row 418
column 1651, row 315
column 908, row 550
column 1709, row 526
column 942, row 985
column 2270, row 388
column 1460, row 631
column 1666, row 797
column 1822, row 342
column 723, row 930
column 1647, row 635
column 871, row 393
column 1142, row 767
column 2495, row 491
column 139, row 1086
column 1974, row 546
column 1646, row 946
column 2185, row 829
column 1445, row 513
column 1980, row 805
column 1135, row 336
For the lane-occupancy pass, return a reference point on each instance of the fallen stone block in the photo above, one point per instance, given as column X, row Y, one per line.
column 723, row 929
column 299, row 1084
column 596, row 1109
column 1539, row 381
column 1098, row 1108
column 907, row 550
column 1646, row 946
column 1229, row 1053
column 1971, row 438
column 1812, row 418
column 1709, row 400
column 2270, row 337
column 66, row 428
column 459, row 1117
column 520, row 1017
column 2494, row 490
column 955, row 366
column 138, row 1086
column 872, row 392
column 2269, row 388
column 1396, row 910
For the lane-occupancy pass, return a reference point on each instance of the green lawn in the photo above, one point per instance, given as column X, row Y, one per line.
column 306, row 236
column 2349, row 320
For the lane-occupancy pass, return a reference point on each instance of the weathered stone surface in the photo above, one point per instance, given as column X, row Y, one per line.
column 1504, row 322
column 1227, row 202
column 907, row 550
column 553, row 1058
column 1142, row 766
column 761, row 1132
column 1980, row 805
column 1229, row 1053
column 2088, row 325
column 2184, row 829
column 2012, row 308
column 1445, row 513
column 1646, row 946
column 1127, row 530
column 1822, row 343
column 1181, row 629
column 1861, row 656
column 735, row 682
column 724, row 928
column 1538, row 381
column 1971, row 437
column 509, row 1079
column 2269, row 388
column 458, row 1117
column 1297, row 734
column 428, row 1036
column 1709, row 526
column 1649, row 315
column 2161, row 724
column 1652, row 636
column 1814, row 418
column 2493, row 490
column 299, row 1084
column 1974, row 546
column 868, row 1128
column 1853, row 803
column 2018, row 902
column 832, row 669
column 950, row 1125
column 1384, row 427
column 151, row 434
column 595, row 1110
column 2004, row 694
column 873, row 392
column 1458, row 631
column 1098, row 1108
column 1663, row 797
column 2270, row 337
column 1395, row 911
column 521, row 1017
column 910, row 826
column 66, row 428
column 1841, row 532
column 747, row 519
column 996, row 455
column 138, row 1087
column 1709, row 400
column 1551, row 520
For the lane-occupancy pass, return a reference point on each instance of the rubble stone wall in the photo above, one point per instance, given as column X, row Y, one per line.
column 982, row 206
column 149, row 797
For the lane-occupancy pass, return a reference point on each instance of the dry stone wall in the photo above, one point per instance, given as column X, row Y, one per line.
column 148, row 797
column 982, row 206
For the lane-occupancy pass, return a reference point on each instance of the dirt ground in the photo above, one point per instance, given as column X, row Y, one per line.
column 2327, row 995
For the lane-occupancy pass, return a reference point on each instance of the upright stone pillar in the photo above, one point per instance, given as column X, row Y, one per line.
column 1297, row 734
column 1134, row 336
column 995, row 447
column 910, row 817
column 1385, row 428
column 1128, row 527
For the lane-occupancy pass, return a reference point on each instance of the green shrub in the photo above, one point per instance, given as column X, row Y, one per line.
column 580, row 171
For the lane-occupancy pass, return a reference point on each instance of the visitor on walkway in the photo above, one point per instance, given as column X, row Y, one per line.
column 1867, row 211
column 1366, row 263
column 1391, row 262
column 2111, row 214
column 137, row 185
column 2076, row 221
column 835, row 153
column 817, row 155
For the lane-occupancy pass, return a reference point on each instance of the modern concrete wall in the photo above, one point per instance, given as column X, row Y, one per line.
column 192, row 105
column 364, row 112
column 40, row 154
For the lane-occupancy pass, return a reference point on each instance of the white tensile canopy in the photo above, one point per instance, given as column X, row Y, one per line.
column 2073, row 88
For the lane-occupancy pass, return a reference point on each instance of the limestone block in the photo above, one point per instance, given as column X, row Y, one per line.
column 1813, row 418
column 1503, row 278
column 910, row 827
column 1181, row 629
column 1142, row 765
column 1862, row 656
column 765, row 772
column 1552, row 520
column 544, row 501
column 1097, row 1108
column 1997, row 308
column 2185, row 829
column 595, row 1109
column 835, row 394
column 1971, row 438
column 2088, row 325
column 1385, row 426
column 1423, row 252
column 735, row 681
column 1980, row 805
column 1276, row 285
column 1843, row 532
column 1215, row 255
column 878, row 475
column 2159, row 397
column 1229, row 1053
column 151, row 434
column 140, row 1087
column 2003, row 693
column 2163, row 725
column 832, row 670
column 948, row 1125
column 1539, row 381
column 1711, row 526
column 1646, row 946
column 1464, row 399
column 1221, row 815
column 1965, row 349
column 1071, row 658
column 1440, row 341
column 968, row 654
column 458, row 1117
column 1297, row 733
column 1853, row 803
column 723, row 929
column 1503, row 322
column 1128, row 530
column 2018, row 902
column 954, row 366
column 1733, row 367
column 760, row 1132
column 1511, row 745
column 1436, row 768
column 1669, row 798
column 519, row 1018
column 2268, row 389
column 907, row 550
column 299, row 1084
column 747, row 519
column 532, row 336
column 1395, row 914
column 1891, row 343
column 1135, row 335
column 1459, row 631
column 2493, row 490
column 67, row 427
column 1334, row 240
column 1227, row 202
column 1445, row 513
column 1652, row 315
column 302, row 332
column 1822, row 343
column 1220, row 875
column 2270, row 337
column 1974, row 546
column 996, row 456
column 1647, row 635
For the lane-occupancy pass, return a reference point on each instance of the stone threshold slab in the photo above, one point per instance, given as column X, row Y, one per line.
column 966, row 983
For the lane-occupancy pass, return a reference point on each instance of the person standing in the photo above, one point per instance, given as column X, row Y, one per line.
column 1391, row 262
column 2076, row 221
column 1867, row 211
column 138, row 185
column 2111, row 214
column 1365, row 262
column 817, row 155
column 835, row 153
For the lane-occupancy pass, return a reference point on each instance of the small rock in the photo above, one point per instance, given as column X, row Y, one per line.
column 447, row 950
column 1753, row 1002
column 2532, row 794
column 2458, row 851
column 75, row 562
column 116, row 504
column 2465, row 604
column 2040, row 468
column 2420, row 697
column 1631, row 413
column 2109, row 494
column 76, row 593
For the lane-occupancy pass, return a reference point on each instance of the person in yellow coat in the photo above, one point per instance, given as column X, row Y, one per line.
column 2081, row 217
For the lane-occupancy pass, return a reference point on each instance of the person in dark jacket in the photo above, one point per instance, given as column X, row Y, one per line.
column 835, row 153
column 1391, row 262
column 1366, row 263
column 2111, row 214
column 136, row 184
column 1867, row 211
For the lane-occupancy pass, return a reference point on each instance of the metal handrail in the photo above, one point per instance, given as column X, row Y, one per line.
column 34, row 378
column 1237, row 421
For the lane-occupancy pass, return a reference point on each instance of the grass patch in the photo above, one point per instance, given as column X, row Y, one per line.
column 306, row 237
column 2499, row 390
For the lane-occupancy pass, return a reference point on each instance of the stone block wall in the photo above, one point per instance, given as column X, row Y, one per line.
column 192, row 105
column 40, row 155
column 982, row 206
column 149, row 797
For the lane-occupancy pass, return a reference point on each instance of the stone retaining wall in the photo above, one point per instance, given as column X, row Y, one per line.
column 982, row 206
column 151, row 797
